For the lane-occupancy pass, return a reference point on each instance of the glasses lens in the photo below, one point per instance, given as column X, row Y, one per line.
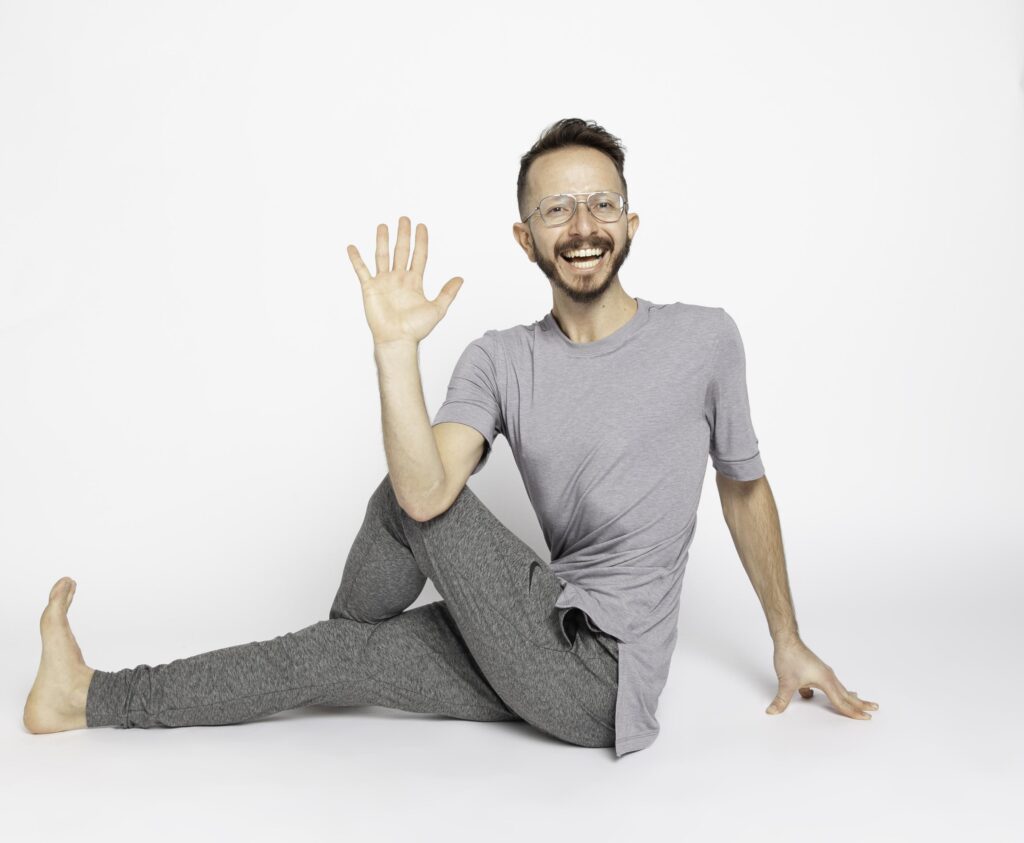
column 606, row 207
column 555, row 210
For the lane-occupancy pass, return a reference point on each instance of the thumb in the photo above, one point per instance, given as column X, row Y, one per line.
column 448, row 293
column 781, row 701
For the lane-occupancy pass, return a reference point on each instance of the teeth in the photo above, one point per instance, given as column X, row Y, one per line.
column 583, row 253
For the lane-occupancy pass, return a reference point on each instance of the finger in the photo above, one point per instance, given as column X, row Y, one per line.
column 855, row 701
column 837, row 696
column 852, row 697
column 419, row 256
column 383, row 262
column 358, row 265
column 865, row 703
column 448, row 293
column 781, row 701
column 402, row 245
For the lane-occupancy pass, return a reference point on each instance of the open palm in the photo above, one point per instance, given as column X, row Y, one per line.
column 396, row 308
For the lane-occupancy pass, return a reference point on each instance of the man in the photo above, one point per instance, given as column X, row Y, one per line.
column 611, row 405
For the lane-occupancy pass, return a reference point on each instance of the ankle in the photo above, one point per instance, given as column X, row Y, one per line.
column 80, row 691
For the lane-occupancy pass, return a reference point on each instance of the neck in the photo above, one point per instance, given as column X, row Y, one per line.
column 593, row 321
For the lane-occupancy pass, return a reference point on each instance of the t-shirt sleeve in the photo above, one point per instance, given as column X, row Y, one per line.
column 473, row 396
column 734, row 445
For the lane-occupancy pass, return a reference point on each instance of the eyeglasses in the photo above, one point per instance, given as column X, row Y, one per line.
column 605, row 205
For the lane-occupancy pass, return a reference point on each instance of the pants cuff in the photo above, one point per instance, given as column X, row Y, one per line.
column 107, row 701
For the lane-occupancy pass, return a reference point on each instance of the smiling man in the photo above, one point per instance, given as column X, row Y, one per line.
column 581, row 254
column 612, row 406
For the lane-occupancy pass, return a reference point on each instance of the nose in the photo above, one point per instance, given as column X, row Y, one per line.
column 582, row 222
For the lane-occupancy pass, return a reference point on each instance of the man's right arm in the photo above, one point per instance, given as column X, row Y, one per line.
column 425, row 480
column 428, row 466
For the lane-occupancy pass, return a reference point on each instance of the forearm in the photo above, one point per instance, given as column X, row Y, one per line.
column 753, row 520
column 414, row 462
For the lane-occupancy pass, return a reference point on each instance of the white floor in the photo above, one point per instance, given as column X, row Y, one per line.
column 940, row 760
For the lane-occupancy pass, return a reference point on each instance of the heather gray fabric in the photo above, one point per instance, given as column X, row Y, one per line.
column 495, row 648
column 612, row 439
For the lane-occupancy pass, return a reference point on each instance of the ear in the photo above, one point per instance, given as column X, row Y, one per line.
column 521, row 233
column 632, row 224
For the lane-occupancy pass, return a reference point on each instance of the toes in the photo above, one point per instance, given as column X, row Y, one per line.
column 62, row 593
column 60, row 586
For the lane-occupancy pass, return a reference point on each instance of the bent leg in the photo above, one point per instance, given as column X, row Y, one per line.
column 415, row 662
column 502, row 596
column 381, row 577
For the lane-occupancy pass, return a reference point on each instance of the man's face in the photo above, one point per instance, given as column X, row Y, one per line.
column 575, row 170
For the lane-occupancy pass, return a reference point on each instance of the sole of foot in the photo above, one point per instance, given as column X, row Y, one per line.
column 56, row 702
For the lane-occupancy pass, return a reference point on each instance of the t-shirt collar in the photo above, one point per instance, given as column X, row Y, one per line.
column 604, row 345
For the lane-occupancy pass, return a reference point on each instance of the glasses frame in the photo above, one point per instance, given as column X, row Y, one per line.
column 576, row 205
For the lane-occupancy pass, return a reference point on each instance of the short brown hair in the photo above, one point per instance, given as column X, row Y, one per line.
column 571, row 131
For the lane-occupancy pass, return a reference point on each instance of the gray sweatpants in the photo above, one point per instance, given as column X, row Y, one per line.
column 495, row 648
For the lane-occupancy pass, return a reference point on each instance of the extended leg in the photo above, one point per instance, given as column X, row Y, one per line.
column 415, row 662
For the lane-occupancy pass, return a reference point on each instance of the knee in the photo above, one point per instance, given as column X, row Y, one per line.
column 384, row 493
column 382, row 507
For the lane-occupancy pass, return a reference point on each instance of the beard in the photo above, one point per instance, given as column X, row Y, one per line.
column 583, row 287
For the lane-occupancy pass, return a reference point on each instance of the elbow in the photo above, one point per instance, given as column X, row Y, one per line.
column 429, row 513
column 426, row 510
column 418, row 513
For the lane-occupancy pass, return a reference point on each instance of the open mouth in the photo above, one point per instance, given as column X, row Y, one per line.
column 583, row 260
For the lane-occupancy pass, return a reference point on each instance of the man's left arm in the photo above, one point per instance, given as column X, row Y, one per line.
column 753, row 520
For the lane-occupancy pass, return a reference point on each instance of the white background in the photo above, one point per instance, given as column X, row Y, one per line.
column 190, row 422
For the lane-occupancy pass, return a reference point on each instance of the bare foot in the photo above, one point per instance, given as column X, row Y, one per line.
column 56, row 702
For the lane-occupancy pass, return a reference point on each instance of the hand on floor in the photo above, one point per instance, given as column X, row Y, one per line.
column 797, row 667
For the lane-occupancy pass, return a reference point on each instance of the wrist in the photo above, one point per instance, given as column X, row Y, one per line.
column 786, row 638
column 397, row 341
column 395, row 348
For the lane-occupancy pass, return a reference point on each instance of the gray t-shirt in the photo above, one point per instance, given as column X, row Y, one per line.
column 612, row 440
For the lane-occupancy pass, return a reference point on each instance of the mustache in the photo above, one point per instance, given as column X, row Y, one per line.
column 582, row 244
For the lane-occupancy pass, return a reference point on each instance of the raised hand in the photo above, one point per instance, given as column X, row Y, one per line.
column 797, row 667
column 396, row 308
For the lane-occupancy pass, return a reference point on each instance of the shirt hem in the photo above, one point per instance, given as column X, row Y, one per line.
column 641, row 740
